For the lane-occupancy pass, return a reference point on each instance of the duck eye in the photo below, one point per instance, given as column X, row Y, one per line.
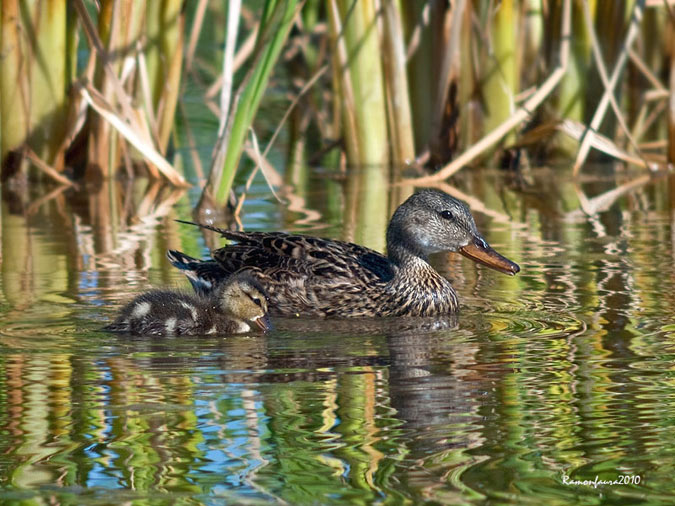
column 256, row 301
column 447, row 215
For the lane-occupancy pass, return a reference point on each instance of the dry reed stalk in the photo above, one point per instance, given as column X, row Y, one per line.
column 144, row 81
column 396, row 85
column 414, row 41
column 272, row 178
column 194, row 33
column 609, row 93
column 308, row 85
column 578, row 131
column 240, row 57
column 164, row 27
column 342, row 80
column 639, row 63
column 47, row 169
column 442, row 137
column 33, row 81
column 661, row 144
column 130, row 123
column 647, row 122
column 139, row 141
column 599, row 114
column 671, row 98
column 114, row 30
column 520, row 115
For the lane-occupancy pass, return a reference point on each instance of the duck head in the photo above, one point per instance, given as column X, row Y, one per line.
column 243, row 298
column 431, row 221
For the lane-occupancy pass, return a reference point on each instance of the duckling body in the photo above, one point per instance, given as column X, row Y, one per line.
column 229, row 309
column 312, row 276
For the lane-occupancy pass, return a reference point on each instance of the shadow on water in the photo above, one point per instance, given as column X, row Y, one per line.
column 560, row 373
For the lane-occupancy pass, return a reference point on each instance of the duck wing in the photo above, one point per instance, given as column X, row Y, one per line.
column 307, row 275
column 316, row 257
column 311, row 257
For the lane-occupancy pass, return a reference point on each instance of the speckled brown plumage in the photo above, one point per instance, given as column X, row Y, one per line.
column 230, row 308
column 311, row 276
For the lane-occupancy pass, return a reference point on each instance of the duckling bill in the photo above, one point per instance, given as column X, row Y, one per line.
column 312, row 276
column 232, row 308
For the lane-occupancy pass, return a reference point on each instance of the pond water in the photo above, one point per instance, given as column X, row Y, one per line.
column 560, row 375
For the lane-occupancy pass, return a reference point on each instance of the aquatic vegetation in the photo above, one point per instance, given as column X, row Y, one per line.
column 425, row 88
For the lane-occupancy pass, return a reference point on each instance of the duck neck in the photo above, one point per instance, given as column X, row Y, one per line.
column 401, row 248
column 405, row 257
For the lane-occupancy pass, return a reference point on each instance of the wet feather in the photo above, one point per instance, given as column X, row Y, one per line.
column 313, row 276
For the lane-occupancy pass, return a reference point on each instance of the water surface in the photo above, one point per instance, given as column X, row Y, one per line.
column 561, row 374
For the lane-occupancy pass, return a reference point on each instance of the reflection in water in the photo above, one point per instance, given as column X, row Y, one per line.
column 564, row 369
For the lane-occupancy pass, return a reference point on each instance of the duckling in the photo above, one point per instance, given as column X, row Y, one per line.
column 230, row 309
column 312, row 276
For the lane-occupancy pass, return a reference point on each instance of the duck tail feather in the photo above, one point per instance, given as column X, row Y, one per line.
column 220, row 231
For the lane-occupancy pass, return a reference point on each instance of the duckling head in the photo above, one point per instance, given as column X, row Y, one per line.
column 431, row 221
column 243, row 299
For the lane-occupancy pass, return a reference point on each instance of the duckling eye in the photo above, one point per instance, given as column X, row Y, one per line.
column 256, row 301
column 447, row 215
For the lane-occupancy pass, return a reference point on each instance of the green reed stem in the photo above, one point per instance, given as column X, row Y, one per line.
column 33, row 78
column 165, row 33
column 361, row 73
column 502, row 76
column 275, row 24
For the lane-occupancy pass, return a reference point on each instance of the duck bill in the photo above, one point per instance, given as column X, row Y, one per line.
column 480, row 251
column 263, row 323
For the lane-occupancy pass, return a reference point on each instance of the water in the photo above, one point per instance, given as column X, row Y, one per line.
column 561, row 374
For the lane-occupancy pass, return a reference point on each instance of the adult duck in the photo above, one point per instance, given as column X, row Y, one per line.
column 311, row 276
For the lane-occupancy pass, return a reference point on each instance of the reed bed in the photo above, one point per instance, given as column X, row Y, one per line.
column 410, row 92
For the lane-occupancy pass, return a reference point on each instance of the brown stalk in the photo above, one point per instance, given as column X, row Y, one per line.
column 132, row 125
column 578, row 131
column 343, row 81
column 671, row 99
column 608, row 96
column 147, row 95
column 94, row 40
column 101, row 106
column 194, row 33
column 239, row 58
column 396, row 86
column 653, row 116
column 520, row 115
column 646, row 72
column 46, row 168
column 449, row 73
column 414, row 42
